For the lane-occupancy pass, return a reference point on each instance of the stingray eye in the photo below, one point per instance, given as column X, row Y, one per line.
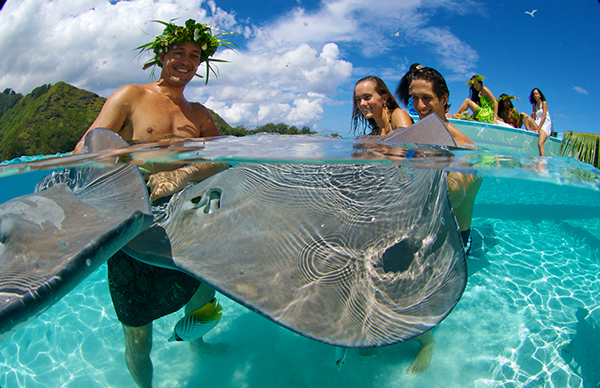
column 197, row 199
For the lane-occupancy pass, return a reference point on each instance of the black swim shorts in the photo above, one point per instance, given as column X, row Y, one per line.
column 142, row 293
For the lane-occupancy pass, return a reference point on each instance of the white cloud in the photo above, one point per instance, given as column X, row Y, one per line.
column 579, row 89
column 88, row 43
column 289, row 87
column 287, row 71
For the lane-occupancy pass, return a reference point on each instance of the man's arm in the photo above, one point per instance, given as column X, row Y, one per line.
column 462, row 190
column 165, row 183
column 115, row 112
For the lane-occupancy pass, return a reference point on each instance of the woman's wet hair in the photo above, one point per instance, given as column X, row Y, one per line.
column 402, row 89
column 532, row 100
column 357, row 117
column 440, row 88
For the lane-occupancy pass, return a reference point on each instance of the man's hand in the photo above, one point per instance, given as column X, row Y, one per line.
column 165, row 183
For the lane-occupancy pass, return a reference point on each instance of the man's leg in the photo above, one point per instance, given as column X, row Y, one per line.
column 423, row 359
column 138, row 344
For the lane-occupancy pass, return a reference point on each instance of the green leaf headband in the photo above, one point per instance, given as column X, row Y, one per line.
column 506, row 97
column 477, row 77
column 192, row 32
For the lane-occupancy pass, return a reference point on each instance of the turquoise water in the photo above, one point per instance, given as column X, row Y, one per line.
column 535, row 261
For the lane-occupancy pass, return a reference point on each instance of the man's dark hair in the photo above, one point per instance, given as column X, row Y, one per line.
column 440, row 88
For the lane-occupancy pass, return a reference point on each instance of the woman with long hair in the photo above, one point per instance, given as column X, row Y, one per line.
column 540, row 120
column 481, row 101
column 374, row 107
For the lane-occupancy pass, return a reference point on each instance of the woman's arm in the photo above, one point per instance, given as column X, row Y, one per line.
column 487, row 92
column 545, row 110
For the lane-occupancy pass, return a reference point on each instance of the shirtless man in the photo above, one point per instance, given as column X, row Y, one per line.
column 430, row 95
column 142, row 293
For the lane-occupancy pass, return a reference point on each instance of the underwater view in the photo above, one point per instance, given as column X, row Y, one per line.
column 527, row 317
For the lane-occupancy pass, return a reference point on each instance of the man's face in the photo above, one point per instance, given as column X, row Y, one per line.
column 181, row 62
column 425, row 100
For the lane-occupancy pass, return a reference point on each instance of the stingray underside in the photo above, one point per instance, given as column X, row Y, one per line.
column 350, row 255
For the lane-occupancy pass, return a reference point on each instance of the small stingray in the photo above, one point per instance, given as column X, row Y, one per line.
column 51, row 240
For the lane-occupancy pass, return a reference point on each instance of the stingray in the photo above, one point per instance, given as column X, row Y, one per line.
column 51, row 240
column 353, row 255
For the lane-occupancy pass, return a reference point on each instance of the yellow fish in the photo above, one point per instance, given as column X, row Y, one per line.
column 197, row 323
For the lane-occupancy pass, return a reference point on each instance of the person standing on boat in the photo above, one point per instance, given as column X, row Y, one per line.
column 481, row 101
column 430, row 95
column 402, row 89
column 507, row 113
column 140, row 292
column 540, row 120
column 374, row 106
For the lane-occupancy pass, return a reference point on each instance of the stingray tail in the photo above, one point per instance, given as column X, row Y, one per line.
column 198, row 323
column 340, row 356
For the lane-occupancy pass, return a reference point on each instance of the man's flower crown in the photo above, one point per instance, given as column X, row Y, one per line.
column 192, row 32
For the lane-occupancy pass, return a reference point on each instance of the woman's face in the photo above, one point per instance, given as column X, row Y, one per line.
column 506, row 103
column 368, row 100
column 536, row 95
column 477, row 85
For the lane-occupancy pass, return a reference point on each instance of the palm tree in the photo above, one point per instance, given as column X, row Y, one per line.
column 584, row 147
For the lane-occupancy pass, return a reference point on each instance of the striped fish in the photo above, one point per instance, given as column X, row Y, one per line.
column 197, row 323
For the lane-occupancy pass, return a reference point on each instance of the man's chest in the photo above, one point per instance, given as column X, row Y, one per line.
column 162, row 117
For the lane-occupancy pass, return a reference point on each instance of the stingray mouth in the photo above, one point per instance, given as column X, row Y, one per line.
column 208, row 202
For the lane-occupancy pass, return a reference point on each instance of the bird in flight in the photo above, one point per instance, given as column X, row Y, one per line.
column 532, row 12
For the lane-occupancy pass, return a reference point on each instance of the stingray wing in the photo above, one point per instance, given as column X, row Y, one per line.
column 51, row 240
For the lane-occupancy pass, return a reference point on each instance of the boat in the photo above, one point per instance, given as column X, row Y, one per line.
column 504, row 138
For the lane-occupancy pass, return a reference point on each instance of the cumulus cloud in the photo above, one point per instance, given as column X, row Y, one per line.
column 579, row 89
column 287, row 70
column 88, row 43
column 290, row 87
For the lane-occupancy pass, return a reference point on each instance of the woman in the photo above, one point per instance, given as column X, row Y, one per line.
column 402, row 90
column 507, row 112
column 375, row 107
column 481, row 101
column 539, row 121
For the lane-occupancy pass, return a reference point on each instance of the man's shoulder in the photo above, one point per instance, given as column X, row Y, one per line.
column 129, row 91
column 198, row 108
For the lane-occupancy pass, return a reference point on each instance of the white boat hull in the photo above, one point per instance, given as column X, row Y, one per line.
column 501, row 138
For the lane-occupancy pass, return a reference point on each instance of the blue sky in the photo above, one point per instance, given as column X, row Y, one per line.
column 298, row 60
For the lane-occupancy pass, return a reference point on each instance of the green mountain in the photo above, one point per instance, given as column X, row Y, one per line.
column 51, row 119
column 48, row 120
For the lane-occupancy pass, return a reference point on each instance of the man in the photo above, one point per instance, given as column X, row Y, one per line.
column 140, row 292
column 430, row 95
